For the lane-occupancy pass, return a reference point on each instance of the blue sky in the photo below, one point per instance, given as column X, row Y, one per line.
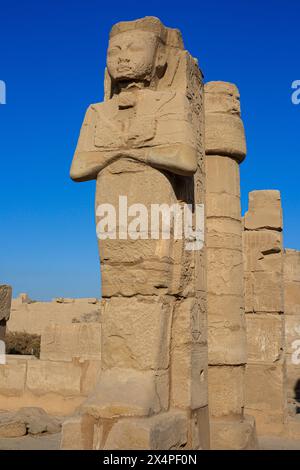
column 52, row 58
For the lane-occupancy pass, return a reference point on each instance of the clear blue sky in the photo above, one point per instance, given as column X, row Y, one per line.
column 52, row 58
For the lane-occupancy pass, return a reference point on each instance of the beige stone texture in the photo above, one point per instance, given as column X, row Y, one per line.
column 265, row 334
column 126, row 392
column 65, row 342
column 5, row 302
column 34, row 317
column 263, row 292
column 11, row 428
column 12, row 379
column 58, row 377
column 77, row 433
column 226, row 390
column 136, row 332
column 292, row 282
column 234, row 435
column 168, row 431
column 264, row 211
column 266, row 396
column 224, row 130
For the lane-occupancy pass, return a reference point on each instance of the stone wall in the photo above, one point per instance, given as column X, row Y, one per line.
column 263, row 261
column 62, row 378
column 33, row 317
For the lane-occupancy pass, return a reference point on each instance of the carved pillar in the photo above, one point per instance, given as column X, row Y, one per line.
column 225, row 149
column 264, row 293
column 144, row 146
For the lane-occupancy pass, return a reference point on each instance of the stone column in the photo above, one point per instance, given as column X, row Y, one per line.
column 266, row 370
column 292, row 331
column 225, row 150
column 144, row 146
column 5, row 304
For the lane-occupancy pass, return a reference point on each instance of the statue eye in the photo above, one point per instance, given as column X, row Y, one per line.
column 114, row 50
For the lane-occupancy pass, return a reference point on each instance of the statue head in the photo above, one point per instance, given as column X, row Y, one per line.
column 137, row 50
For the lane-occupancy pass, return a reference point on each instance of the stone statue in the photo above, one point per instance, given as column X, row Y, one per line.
column 145, row 143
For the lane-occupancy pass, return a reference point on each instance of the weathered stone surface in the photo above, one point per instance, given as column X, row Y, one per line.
column 224, row 130
column 11, row 427
column 234, row 435
column 168, row 431
column 262, row 250
column 63, row 343
column 5, row 302
column 265, row 389
column 12, row 378
column 224, row 273
column 37, row 421
column 292, row 282
column 292, row 334
column 189, row 375
column 226, row 386
column 78, row 433
column 264, row 211
column 53, row 377
column 223, row 176
column 134, row 393
column 265, row 336
column 136, row 332
column 34, row 317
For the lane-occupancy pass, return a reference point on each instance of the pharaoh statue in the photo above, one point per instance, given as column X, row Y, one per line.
column 144, row 145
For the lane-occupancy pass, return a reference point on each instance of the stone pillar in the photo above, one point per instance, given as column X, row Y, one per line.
column 266, row 370
column 144, row 146
column 5, row 304
column 225, row 149
column 292, row 337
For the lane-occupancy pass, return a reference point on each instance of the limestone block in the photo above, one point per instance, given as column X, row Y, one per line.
column 222, row 97
column 168, row 431
column 225, row 135
column 223, row 233
column 53, row 377
column 12, row 378
column 226, row 390
column 292, row 282
column 267, row 292
column 262, row 250
column 89, row 376
column 223, row 205
column 222, row 176
column 136, row 332
column 234, row 435
column 5, row 302
column 77, row 433
column 126, row 392
column 264, row 211
column 265, row 338
column 224, row 273
column 265, row 387
column 292, row 334
column 189, row 376
column 63, row 343
column 227, row 339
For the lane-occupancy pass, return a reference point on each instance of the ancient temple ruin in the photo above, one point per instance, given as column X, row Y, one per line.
column 194, row 343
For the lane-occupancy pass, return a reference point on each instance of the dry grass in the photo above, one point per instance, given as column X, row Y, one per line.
column 22, row 343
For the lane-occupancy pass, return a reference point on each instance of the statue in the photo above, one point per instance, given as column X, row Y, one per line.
column 144, row 143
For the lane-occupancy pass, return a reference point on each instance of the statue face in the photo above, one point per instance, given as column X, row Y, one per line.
column 131, row 55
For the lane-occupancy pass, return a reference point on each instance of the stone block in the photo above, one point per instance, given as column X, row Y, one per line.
column 222, row 176
column 222, row 97
column 63, row 378
column 233, row 435
column 77, row 433
column 12, row 378
column 292, row 334
column 136, row 332
column 223, row 233
column 189, row 376
column 225, row 135
column 262, row 250
column 264, row 292
column 126, row 392
column 168, row 431
column 65, row 342
column 226, row 390
column 264, row 211
column 265, row 338
column 224, row 273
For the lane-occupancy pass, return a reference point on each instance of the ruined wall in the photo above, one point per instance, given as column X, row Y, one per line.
column 5, row 305
column 33, row 317
column 263, row 259
column 63, row 377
